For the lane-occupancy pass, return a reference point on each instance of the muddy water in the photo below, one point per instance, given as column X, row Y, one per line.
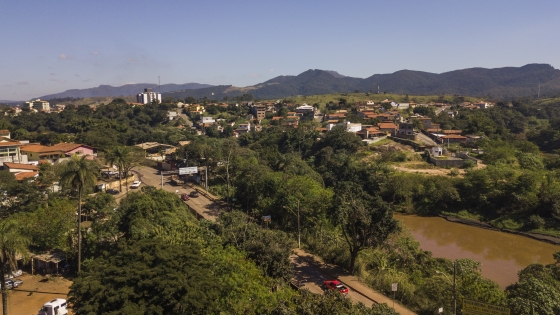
column 502, row 254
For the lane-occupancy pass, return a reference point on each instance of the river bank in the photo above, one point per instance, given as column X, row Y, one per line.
column 536, row 236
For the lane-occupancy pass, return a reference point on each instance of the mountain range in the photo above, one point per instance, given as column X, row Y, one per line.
column 497, row 83
column 125, row 90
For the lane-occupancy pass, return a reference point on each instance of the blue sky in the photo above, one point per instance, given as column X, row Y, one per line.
column 52, row 46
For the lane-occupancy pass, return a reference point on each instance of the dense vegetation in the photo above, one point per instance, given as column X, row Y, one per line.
column 337, row 194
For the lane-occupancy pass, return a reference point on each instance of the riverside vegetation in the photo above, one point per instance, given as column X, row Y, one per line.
column 345, row 203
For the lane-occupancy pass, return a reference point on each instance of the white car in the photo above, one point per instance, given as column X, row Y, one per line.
column 136, row 184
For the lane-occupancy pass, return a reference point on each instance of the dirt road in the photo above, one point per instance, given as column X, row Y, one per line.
column 34, row 292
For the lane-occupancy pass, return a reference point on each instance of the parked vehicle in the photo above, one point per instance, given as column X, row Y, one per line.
column 185, row 197
column 194, row 194
column 135, row 184
column 16, row 283
column 336, row 285
column 14, row 274
column 112, row 191
column 54, row 307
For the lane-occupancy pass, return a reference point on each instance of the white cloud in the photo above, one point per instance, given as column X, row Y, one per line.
column 64, row 57
column 95, row 53
column 271, row 70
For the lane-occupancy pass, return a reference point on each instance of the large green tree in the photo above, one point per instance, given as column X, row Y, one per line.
column 366, row 220
column 147, row 277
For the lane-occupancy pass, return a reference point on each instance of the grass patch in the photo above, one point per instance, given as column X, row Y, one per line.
column 506, row 223
column 463, row 214
column 381, row 142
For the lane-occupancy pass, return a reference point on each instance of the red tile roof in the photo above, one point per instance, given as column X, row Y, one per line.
column 387, row 126
column 25, row 175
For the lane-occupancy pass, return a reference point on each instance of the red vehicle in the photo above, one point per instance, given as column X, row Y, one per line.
column 185, row 197
column 336, row 285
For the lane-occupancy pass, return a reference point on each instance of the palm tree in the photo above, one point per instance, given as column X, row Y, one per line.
column 125, row 158
column 117, row 156
column 13, row 244
column 78, row 174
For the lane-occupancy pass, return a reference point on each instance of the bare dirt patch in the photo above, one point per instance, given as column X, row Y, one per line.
column 30, row 296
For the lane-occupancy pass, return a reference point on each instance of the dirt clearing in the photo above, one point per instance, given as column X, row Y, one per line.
column 30, row 296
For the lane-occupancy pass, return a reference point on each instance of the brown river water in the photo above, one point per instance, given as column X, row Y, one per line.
column 502, row 254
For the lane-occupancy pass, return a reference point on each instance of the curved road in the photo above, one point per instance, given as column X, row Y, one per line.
column 310, row 271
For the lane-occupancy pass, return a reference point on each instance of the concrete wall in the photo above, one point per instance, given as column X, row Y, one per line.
column 446, row 162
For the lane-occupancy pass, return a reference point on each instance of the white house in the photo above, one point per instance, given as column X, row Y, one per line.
column 207, row 120
column 437, row 151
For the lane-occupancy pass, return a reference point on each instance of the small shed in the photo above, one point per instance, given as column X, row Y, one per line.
column 47, row 262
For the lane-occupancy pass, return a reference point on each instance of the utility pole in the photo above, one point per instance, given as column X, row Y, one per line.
column 455, row 287
column 298, row 226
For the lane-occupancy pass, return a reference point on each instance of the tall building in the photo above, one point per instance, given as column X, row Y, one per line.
column 148, row 96
column 39, row 105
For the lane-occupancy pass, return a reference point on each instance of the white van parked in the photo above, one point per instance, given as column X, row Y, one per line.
column 55, row 307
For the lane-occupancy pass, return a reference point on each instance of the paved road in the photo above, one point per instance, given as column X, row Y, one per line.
column 309, row 269
column 186, row 118
column 426, row 140
column 206, row 207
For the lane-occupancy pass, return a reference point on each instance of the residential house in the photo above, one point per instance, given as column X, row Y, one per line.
column 243, row 128
column 406, row 131
column 370, row 132
column 259, row 111
column 22, row 171
column 10, row 151
column 426, row 122
column 304, row 109
column 5, row 133
column 171, row 115
column 337, row 116
column 37, row 152
column 207, row 120
column 388, row 128
column 195, row 109
column 452, row 139
column 483, row 105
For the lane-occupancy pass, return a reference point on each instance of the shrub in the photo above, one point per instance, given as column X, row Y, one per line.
column 536, row 222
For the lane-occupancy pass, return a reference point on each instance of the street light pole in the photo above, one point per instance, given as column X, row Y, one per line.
column 454, row 285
